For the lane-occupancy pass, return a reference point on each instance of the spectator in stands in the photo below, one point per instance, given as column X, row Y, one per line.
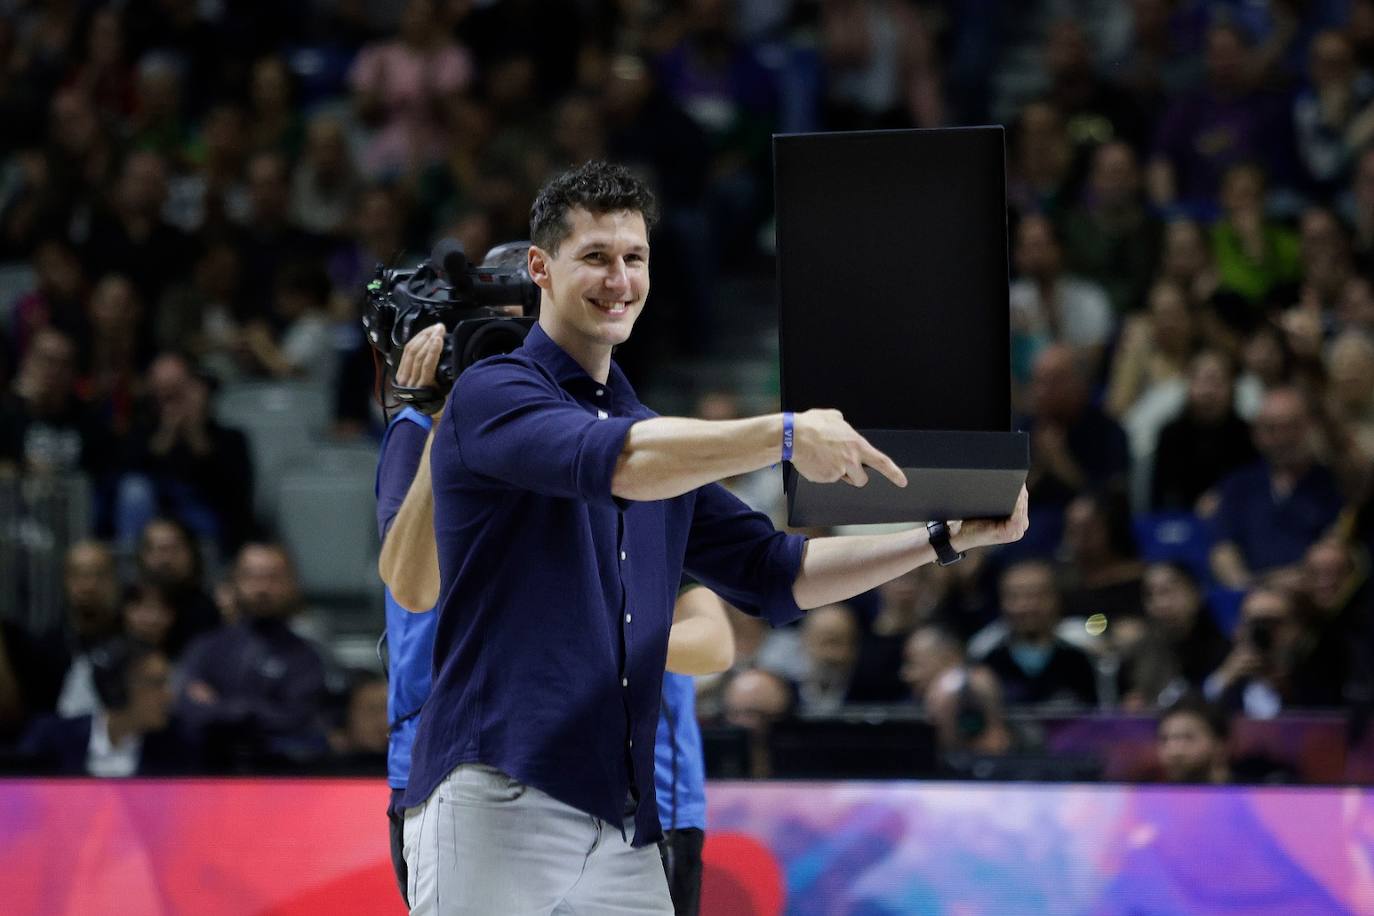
column 1205, row 442
column 132, row 733
column 44, row 427
column 1094, row 109
column 270, row 239
column 754, row 700
column 1180, row 645
column 325, row 184
column 201, row 316
column 830, row 638
column 1049, row 306
column 1103, row 573
column 1041, row 162
column 400, row 85
column 1326, row 262
column 185, row 464
column 57, row 187
column 963, row 702
column 1074, row 445
column 119, row 351
column 211, row 195
column 303, row 347
column 43, row 672
column 1110, row 238
column 57, row 300
column 1350, row 392
column 1152, row 355
column 1335, row 584
column 1206, row 131
column 274, row 122
column 159, row 123
column 1034, row 666
column 1270, row 512
column 1278, row 662
column 1332, row 117
column 1192, row 743
column 255, row 687
column 1254, row 255
column 129, row 235
column 169, row 560
column 363, row 734
column 91, row 586
column 1187, row 260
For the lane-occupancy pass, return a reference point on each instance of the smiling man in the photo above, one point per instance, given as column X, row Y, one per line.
column 564, row 513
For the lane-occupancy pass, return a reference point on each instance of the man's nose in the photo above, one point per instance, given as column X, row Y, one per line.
column 617, row 277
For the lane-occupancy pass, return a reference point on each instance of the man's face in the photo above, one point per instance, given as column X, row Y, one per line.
column 1209, row 387
column 1281, row 429
column 1187, row 748
column 165, row 556
column 92, row 588
column 831, row 638
column 924, row 658
column 264, row 583
column 597, row 283
column 1030, row 602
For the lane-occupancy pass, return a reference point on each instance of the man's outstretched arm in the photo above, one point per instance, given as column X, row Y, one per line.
column 837, row 568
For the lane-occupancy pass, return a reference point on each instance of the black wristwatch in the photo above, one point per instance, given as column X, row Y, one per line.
column 945, row 554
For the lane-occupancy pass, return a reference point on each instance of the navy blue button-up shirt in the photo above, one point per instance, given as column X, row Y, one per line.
column 555, row 597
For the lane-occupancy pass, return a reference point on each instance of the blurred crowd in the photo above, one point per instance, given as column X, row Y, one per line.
column 193, row 194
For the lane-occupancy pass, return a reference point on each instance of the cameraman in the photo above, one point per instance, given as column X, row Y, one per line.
column 564, row 513
column 1277, row 662
column 700, row 642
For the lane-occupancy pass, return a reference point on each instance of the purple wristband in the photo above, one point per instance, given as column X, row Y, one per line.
column 787, row 419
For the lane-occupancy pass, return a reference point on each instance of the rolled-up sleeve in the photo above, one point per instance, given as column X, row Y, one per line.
column 516, row 427
column 740, row 555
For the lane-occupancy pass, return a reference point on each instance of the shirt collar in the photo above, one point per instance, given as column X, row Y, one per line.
column 541, row 348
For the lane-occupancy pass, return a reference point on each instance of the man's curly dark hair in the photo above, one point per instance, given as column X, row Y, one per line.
column 597, row 187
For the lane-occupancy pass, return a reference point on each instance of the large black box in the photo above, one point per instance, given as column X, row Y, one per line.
column 892, row 286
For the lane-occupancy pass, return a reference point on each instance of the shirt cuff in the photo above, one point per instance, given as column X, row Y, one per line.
column 599, row 454
column 780, row 605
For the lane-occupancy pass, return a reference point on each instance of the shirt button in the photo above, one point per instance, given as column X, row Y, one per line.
column 627, row 618
column 622, row 555
column 600, row 392
column 624, row 682
column 632, row 742
column 601, row 415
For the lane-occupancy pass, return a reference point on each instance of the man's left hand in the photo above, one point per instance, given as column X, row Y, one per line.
column 984, row 532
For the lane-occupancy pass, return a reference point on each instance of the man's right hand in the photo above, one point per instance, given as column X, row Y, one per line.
column 420, row 358
column 826, row 449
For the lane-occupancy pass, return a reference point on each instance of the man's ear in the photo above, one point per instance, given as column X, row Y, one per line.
column 537, row 262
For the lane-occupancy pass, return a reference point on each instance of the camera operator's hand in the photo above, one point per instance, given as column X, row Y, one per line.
column 420, row 359
column 825, row 449
column 985, row 532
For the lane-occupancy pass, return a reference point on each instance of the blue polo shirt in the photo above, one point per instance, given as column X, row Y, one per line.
column 1271, row 530
column 555, row 597
column 679, row 764
column 409, row 636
